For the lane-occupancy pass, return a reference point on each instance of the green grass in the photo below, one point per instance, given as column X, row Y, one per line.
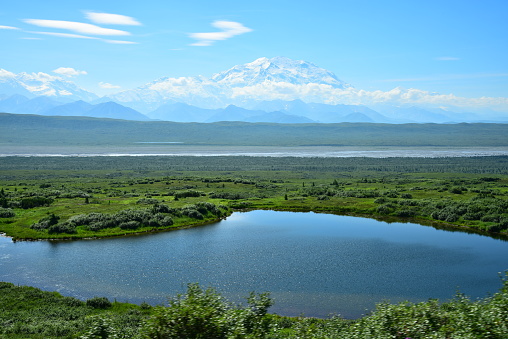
column 376, row 188
column 468, row 194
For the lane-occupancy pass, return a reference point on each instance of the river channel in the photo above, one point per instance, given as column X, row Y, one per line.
column 313, row 264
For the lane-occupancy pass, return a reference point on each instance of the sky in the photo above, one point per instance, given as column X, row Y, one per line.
column 446, row 46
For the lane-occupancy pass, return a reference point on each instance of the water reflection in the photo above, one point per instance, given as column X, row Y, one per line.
column 313, row 264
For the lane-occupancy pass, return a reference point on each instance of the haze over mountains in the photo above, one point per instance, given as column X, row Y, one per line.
column 278, row 90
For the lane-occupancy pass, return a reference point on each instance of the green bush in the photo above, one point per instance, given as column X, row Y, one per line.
column 206, row 314
column 6, row 213
column 63, row 227
column 99, row 302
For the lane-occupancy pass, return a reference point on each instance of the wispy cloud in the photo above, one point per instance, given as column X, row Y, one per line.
column 111, row 19
column 76, row 27
column 108, row 85
column 69, row 72
column 447, row 58
column 228, row 29
column 66, row 35
column 8, row 27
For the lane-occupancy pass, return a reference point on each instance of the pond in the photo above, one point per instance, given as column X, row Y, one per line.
column 313, row 264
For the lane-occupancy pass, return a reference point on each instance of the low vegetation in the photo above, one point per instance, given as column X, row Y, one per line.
column 51, row 198
column 47, row 197
column 28, row 312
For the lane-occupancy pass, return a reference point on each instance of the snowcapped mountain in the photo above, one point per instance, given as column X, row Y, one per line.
column 278, row 69
column 267, row 89
column 42, row 84
column 279, row 77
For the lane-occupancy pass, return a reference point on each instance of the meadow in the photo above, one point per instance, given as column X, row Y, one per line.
column 83, row 197
column 86, row 197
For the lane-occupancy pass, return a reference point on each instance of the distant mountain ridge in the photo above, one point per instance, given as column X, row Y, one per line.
column 30, row 130
column 45, row 106
column 234, row 86
column 275, row 89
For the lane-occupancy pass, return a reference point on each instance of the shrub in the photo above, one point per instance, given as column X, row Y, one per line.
column 192, row 213
column 63, row 227
column 167, row 221
column 46, row 222
column 6, row 213
column 406, row 213
column 32, row 202
column 381, row 200
column 228, row 195
column 129, row 225
column 384, row 209
column 147, row 201
column 99, row 302
column 206, row 314
column 188, row 193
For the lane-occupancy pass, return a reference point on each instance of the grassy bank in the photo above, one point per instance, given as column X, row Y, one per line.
column 55, row 198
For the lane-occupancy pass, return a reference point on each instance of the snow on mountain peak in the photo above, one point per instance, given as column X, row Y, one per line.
column 277, row 69
column 268, row 78
column 41, row 84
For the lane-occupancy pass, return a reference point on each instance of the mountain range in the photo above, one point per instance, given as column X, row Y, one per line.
column 278, row 90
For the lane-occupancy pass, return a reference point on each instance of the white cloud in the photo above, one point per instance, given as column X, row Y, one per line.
column 39, row 77
column 8, row 27
column 6, row 74
column 69, row 72
column 228, row 29
column 77, row 27
column 64, row 92
column 108, row 85
column 66, row 35
column 78, row 36
column 270, row 90
column 111, row 19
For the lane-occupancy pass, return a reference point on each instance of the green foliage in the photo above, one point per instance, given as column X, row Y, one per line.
column 206, row 314
column 101, row 328
column 32, row 202
column 203, row 313
column 63, row 227
column 46, row 222
column 6, row 213
column 425, row 190
column 187, row 194
column 229, row 195
column 27, row 312
column 99, row 302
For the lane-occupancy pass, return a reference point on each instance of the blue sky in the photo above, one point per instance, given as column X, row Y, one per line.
column 445, row 46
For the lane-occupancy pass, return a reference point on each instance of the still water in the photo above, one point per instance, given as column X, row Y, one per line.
column 313, row 264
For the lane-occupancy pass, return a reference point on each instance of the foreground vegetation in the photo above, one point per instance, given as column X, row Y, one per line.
column 51, row 197
column 203, row 313
column 82, row 197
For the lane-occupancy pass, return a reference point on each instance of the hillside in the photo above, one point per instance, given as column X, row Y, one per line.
column 34, row 130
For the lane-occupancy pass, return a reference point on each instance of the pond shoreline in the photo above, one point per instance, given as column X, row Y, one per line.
column 389, row 219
